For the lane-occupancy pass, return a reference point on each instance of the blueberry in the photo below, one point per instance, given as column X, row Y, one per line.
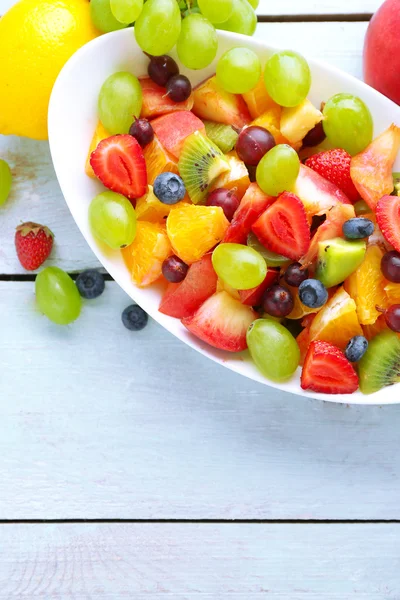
column 358, row 228
column 90, row 284
column 312, row 293
column 169, row 188
column 134, row 318
column 356, row 348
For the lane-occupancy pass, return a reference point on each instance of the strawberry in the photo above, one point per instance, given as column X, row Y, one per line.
column 119, row 163
column 327, row 370
column 33, row 243
column 334, row 165
column 183, row 299
column 253, row 296
column 283, row 227
column 252, row 205
column 222, row 322
column 388, row 218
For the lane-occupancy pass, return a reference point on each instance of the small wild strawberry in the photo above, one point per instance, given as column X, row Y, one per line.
column 33, row 243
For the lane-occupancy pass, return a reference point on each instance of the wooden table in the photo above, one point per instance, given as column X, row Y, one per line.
column 132, row 467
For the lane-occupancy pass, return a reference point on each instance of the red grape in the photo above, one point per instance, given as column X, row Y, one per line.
column 142, row 130
column 161, row 69
column 390, row 266
column 253, row 143
column 295, row 274
column 277, row 301
column 226, row 199
column 174, row 269
column 392, row 317
column 315, row 136
column 179, row 88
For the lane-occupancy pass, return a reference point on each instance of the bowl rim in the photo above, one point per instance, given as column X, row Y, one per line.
column 357, row 398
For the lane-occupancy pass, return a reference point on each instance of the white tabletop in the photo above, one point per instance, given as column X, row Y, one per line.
column 197, row 483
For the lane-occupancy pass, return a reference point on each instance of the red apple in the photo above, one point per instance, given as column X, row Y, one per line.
column 382, row 50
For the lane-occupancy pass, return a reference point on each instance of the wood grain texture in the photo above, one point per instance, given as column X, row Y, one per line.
column 319, row 8
column 99, row 422
column 36, row 195
column 208, row 562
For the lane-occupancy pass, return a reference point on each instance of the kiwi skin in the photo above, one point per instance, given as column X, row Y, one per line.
column 380, row 365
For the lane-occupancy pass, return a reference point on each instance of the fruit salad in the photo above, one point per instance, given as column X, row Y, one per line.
column 273, row 223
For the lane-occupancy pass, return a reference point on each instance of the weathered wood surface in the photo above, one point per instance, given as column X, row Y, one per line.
column 317, row 8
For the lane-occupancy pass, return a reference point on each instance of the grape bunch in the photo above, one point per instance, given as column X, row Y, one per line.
column 190, row 24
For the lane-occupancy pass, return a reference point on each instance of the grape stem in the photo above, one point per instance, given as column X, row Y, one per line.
column 380, row 309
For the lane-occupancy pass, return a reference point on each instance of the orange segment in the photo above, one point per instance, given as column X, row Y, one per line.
column 193, row 230
column 236, row 179
column 149, row 207
column 393, row 293
column 158, row 160
column 100, row 134
column 299, row 309
column 367, row 286
column 370, row 331
column 337, row 322
column 145, row 256
column 258, row 100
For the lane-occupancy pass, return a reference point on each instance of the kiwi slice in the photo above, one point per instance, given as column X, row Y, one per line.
column 200, row 163
column 337, row 259
column 396, row 184
column 271, row 258
column 224, row 136
column 380, row 365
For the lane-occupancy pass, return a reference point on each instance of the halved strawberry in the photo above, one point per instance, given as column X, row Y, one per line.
column 183, row 299
column 371, row 170
column 119, row 163
column 327, row 370
column 283, row 227
column 222, row 322
column 334, row 165
column 253, row 296
column 388, row 218
column 332, row 227
column 252, row 205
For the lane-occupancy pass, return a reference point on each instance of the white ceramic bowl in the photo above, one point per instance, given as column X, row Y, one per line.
column 73, row 117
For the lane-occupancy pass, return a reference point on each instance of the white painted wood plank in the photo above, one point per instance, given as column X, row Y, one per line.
column 36, row 195
column 99, row 422
column 317, row 7
column 189, row 561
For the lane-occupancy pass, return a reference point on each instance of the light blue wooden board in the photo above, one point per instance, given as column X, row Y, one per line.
column 98, row 422
column 208, row 562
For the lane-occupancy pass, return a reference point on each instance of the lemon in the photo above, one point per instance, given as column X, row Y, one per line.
column 37, row 37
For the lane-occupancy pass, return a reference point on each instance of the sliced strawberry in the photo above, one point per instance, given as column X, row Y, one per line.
column 332, row 227
column 183, row 299
column 252, row 205
column 371, row 170
column 283, row 227
column 334, row 165
column 173, row 129
column 253, row 297
column 222, row 322
column 317, row 193
column 119, row 163
column 327, row 370
column 388, row 218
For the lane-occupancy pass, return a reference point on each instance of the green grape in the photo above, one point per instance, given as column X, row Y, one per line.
column 102, row 17
column 277, row 171
column 273, row 349
column 158, row 26
column 287, row 78
column 198, row 43
column 112, row 219
column 238, row 70
column 216, row 11
column 254, row 3
column 242, row 20
column 120, row 99
column 239, row 266
column 57, row 296
column 271, row 258
column 348, row 123
column 126, row 11
column 5, row 181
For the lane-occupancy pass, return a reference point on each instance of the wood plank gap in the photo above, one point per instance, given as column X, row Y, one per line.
column 23, row 277
column 358, row 17
column 202, row 521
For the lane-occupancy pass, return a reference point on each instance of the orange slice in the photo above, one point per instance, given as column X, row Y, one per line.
column 194, row 230
column 393, row 293
column 145, row 256
column 99, row 135
column 149, row 207
column 158, row 160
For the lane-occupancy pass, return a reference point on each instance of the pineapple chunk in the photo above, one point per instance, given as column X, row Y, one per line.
column 296, row 122
column 99, row 135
